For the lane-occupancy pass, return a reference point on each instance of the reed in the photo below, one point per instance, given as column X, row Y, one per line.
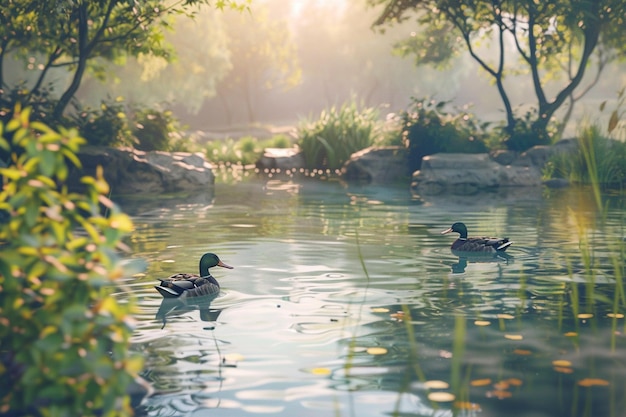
column 329, row 141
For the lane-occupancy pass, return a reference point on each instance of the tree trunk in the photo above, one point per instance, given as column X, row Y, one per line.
column 83, row 54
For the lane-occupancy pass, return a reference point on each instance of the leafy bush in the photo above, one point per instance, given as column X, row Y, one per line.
column 428, row 129
column 329, row 141
column 598, row 160
column 526, row 135
column 152, row 129
column 107, row 126
column 64, row 337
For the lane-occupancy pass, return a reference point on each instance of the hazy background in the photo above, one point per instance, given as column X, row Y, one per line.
column 286, row 60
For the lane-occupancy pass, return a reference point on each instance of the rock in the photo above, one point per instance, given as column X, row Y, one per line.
column 281, row 159
column 132, row 171
column 539, row 155
column 377, row 165
column 470, row 173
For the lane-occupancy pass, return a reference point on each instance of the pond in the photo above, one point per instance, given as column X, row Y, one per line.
column 347, row 301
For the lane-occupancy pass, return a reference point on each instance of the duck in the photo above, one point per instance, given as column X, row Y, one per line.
column 479, row 245
column 184, row 285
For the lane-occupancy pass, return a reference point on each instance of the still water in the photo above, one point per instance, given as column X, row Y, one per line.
column 346, row 301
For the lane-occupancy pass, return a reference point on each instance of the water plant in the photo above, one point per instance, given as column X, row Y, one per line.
column 328, row 141
column 64, row 337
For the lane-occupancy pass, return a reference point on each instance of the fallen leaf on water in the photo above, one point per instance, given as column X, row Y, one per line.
column 482, row 323
column 441, row 397
column 590, row 382
column 320, row 371
column 499, row 394
column 376, row 350
column 480, row 382
column 561, row 362
column 513, row 336
column 466, row 405
column 435, row 384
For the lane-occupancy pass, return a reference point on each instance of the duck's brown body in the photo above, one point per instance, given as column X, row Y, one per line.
column 484, row 245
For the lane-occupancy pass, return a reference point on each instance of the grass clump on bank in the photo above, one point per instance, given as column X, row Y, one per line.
column 328, row 142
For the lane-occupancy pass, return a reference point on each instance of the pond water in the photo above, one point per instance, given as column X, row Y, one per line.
column 347, row 301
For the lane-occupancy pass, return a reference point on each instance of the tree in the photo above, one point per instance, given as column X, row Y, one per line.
column 544, row 35
column 71, row 34
column 263, row 56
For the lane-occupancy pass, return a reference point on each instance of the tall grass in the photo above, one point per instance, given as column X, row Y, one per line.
column 599, row 161
column 329, row 141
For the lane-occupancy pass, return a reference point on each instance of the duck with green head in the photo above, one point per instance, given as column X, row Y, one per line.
column 184, row 285
column 484, row 245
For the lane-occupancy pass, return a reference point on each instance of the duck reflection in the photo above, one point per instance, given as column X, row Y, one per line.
column 175, row 307
column 465, row 258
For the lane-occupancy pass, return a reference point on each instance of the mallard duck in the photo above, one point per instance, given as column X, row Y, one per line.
column 192, row 285
column 476, row 244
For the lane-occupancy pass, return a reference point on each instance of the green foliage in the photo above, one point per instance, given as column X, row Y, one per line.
column 428, row 129
column 64, row 337
column 329, row 141
column 152, row 129
column 567, row 37
column 106, row 126
column 526, row 134
column 599, row 160
column 244, row 151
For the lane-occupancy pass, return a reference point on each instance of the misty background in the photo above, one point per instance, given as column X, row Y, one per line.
column 285, row 61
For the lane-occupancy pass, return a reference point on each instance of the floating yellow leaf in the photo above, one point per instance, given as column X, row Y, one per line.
column 380, row 310
column 584, row 316
column 376, row 350
column 501, row 385
column 516, row 382
column 441, row 397
column 499, row 394
column 615, row 315
column 505, row 316
column 570, row 334
column 561, row 362
column 563, row 370
column 590, row 382
column 482, row 323
column 435, row 384
column 513, row 336
column 466, row 405
column 480, row 382
column 523, row 352
column 233, row 357
column 320, row 371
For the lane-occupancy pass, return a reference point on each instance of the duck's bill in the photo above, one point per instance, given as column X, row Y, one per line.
column 223, row 265
column 446, row 231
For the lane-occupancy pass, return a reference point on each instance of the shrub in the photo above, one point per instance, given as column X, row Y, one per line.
column 107, row 126
column 599, row 160
column 64, row 337
column 526, row 135
column 428, row 129
column 152, row 129
column 329, row 141
column 243, row 151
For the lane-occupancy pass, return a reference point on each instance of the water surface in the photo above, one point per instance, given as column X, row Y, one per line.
column 346, row 301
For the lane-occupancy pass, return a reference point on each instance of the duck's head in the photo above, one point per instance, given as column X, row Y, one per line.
column 459, row 228
column 209, row 260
